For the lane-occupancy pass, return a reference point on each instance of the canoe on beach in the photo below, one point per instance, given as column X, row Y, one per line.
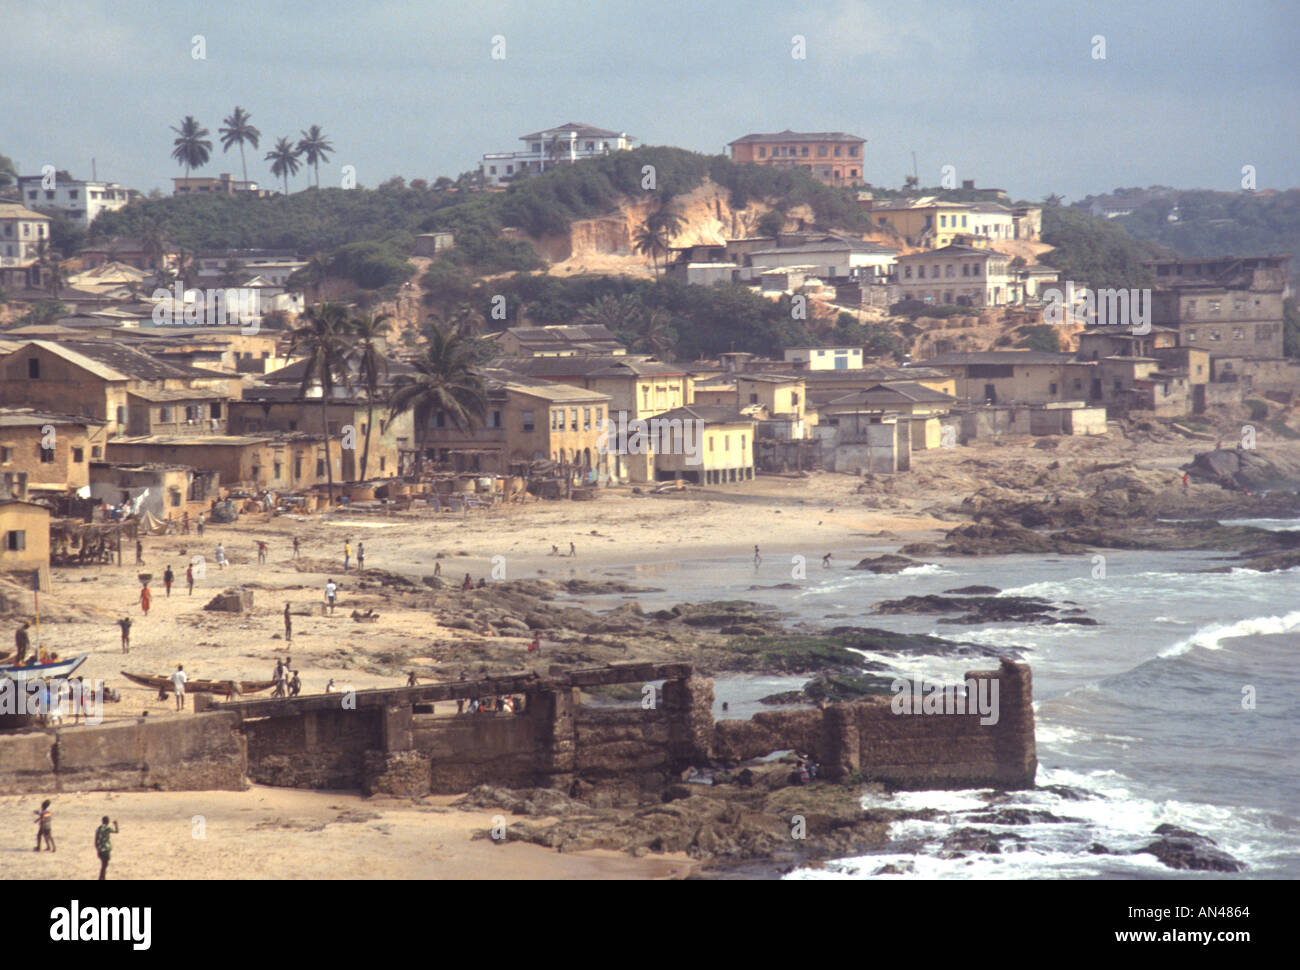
column 222, row 687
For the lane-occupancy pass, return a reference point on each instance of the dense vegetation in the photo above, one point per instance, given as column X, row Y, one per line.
column 1095, row 252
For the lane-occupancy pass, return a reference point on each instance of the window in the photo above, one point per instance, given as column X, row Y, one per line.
column 726, row 442
column 943, row 221
column 320, row 467
column 214, row 411
column 710, row 442
column 586, row 419
column 164, row 414
column 1215, row 335
column 528, row 421
column 1238, row 333
column 382, row 462
column 573, row 419
column 297, row 466
column 975, row 270
column 804, row 151
column 175, row 496
column 907, row 272
column 34, row 368
column 762, row 152
column 16, row 540
column 78, row 455
column 6, row 455
column 920, row 272
column 742, row 444
column 838, row 151
column 1051, row 389
column 95, row 451
column 279, row 469
column 753, row 399
column 557, row 420
column 947, row 271
column 47, row 454
column 821, row 151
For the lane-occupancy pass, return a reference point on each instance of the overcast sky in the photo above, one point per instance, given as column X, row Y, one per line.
column 1008, row 93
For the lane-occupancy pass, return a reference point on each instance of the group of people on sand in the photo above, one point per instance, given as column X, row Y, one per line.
column 103, row 836
column 287, row 681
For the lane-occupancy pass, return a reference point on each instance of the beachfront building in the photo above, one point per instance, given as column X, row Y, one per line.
column 1017, row 376
column 705, row 445
column 1229, row 306
column 275, row 460
column 80, row 200
column 961, row 275
column 24, row 535
column 159, row 489
column 47, row 451
column 831, row 157
column 131, row 391
column 917, row 406
column 549, row 147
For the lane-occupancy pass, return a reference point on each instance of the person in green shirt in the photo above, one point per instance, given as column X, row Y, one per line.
column 104, row 844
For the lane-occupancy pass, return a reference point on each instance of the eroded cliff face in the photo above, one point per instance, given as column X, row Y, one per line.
column 604, row 245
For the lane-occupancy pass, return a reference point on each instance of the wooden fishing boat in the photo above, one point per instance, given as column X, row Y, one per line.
column 222, row 687
column 58, row 668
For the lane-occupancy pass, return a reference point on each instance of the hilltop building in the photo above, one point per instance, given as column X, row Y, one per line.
column 831, row 157
column 80, row 200
column 549, row 147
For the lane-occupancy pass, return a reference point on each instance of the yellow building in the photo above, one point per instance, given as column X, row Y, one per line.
column 927, row 222
column 703, row 444
column 24, row 535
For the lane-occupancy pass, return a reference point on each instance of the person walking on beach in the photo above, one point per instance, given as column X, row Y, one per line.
column 189, row 578
column 288, row 624
column 125, row 624
column 331, row 593
column 169, row 577
column 826, row 561
column 261, row 553
column 295, row 685
column 44, row 827
column 185, row 523
column 295, row 547
column 146, row 598
column 104, row 844
column 572, row 549
column 468, row 584
column 22, row 643
column 347, row 554
column 178, row 685
column 757, row 558
column 437, row 568
column 361, row 555
column 139, row 553
column 221, row 556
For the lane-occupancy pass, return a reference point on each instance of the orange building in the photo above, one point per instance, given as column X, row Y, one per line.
column 832, row 157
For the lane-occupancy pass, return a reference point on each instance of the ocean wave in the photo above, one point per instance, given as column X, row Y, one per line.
column 1212, row 637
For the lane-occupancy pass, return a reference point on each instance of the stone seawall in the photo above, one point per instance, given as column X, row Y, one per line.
column 373, row 741
column 202, row 752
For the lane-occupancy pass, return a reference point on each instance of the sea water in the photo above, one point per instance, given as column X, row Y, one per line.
column 1146, row 718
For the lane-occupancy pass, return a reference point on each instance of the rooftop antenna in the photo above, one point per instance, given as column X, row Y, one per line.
column 94, row 177
column 914, row 172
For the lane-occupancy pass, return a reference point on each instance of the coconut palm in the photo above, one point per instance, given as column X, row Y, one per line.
column 321, row 339
column 315, row 148
column 367, row 333
column 445, row 382
column 665, row 220
column 651, row 242
column 153, row 242
column 284, row 161
column 192, row 148
column 557, row 149
column 237, row 131
column 618, row 314
column 656, row 336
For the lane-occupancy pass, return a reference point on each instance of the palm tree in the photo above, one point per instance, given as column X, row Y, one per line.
column 51, row 267
column 321, row 338
column 315, row 149
column 666, row 220
column 192, row 146
column 237, row 131
column 619, row 314
column 284, row 161
column 656, row 336
column 445, row 383
column 910, row 182
column 650, row 242
column 367, row 332
column 557, row 149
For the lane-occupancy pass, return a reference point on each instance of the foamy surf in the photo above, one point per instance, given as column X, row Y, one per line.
column 1212, row 637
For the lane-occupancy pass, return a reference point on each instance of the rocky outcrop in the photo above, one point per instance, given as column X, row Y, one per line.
column 1246, row 470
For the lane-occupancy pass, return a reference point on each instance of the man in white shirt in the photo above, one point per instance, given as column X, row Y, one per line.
column 178, row 686
column 331, row 591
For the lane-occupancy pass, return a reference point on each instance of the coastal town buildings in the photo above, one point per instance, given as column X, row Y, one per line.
column 159, row 489
column 705, row 445
column 222, row 184
column 1230, row 306
column 22, row 232
column 561, row 340
column 47, row 451
column 956, row 274
column 824, row 358
column 24, row 536
column 831, row 157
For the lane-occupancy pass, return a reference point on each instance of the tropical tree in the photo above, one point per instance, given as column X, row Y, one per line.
column 910, row 182
column 237, row 131
column 153, row 241
column 192, row 147
column 8, row 171
column 367, row 332
column 665, row 220
column 445, row 382
column 619, row 314
column 649, row 241
column 656, row 336
column 557, row 149
column 322, row 339
column 315, row 148
column 284, row 161
column 50, row 263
